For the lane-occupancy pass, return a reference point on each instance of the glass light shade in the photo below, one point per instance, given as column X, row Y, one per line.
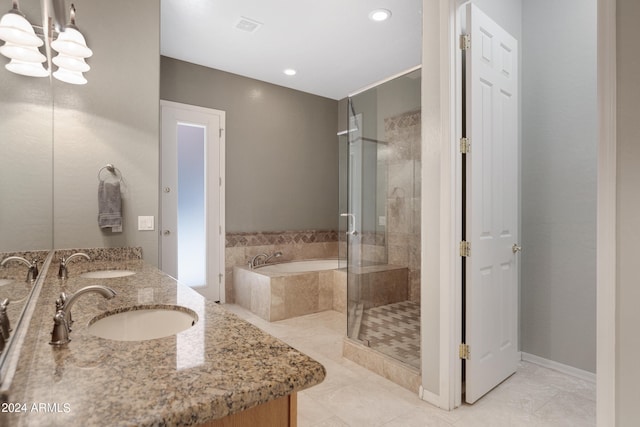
column 15, row 28
column 31, row 69
column 22, row 53
column 71, row 63
column 67, row 76
column 71, row 42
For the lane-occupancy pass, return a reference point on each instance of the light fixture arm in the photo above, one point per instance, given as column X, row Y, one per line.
column 72, row 15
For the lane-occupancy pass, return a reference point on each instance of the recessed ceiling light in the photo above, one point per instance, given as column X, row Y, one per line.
column 290, row 72
column 380, row 15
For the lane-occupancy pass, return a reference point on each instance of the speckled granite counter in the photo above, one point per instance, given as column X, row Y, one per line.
column 220, row 366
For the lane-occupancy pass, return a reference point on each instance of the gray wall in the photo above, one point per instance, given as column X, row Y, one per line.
column 112, row 119
column 281, row 147
column 507, row 13
column 628, row 217
column 559, row 141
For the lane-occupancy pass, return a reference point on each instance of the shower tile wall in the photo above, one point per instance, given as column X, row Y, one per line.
column 294, row 245
column 403, row 158
column 374, row 247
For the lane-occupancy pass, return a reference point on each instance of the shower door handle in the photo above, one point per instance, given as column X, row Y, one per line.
column 351, row 224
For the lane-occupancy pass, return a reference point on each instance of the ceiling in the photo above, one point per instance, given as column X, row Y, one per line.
column 332, row 44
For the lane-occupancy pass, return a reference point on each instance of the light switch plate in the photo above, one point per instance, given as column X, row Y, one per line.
column 145, row 223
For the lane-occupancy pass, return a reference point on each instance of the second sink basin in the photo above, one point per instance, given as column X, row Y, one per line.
column 142, row 323
column 107, row 274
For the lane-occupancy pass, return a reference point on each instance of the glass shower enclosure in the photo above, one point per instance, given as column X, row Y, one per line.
column 380, row 216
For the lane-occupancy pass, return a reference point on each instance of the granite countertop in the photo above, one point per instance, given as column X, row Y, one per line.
column 220, row 366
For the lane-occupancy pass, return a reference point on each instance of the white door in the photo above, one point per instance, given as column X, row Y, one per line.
column 492, row 210
column 192, row 197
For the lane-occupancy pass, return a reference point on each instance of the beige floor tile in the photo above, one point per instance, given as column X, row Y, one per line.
column 310, row 412
column 569, row 409
column 419, row 417
column 353, row 396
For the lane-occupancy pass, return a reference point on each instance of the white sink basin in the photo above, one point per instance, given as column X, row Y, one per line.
column 143, row 323
column 5, row 281
column 107, row 274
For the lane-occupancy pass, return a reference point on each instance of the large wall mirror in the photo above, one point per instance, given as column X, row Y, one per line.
column 26, row 158
column 55, row 137
column 26, row 184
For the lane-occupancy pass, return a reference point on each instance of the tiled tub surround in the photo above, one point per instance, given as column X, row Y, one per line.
column 220, row 366
column 276, row 295
column 241, row 247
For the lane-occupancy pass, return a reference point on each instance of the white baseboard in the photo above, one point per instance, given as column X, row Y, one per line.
column 430, row 397
column 560, row 367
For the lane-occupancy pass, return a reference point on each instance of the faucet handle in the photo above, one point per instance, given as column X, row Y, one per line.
column 60, row 333
column 60, row 301
column 5, row 325
column 34, row 268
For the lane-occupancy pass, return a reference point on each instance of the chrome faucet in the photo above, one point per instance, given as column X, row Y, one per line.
column 5, row 324
column 62, row 320
column 258, row 259
column 274, row 255
column 63, row 273
column 32, row 273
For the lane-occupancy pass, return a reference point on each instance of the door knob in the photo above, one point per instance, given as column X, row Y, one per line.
column 166, row 232
column 515, row 248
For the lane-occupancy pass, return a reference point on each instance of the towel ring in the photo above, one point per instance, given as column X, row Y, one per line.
column 112, row 169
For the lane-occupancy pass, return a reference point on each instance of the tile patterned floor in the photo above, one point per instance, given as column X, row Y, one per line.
column 353, row 396
column 394, row 330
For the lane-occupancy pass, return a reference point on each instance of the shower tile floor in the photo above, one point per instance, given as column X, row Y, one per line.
column 394, row 330
column 353, row 396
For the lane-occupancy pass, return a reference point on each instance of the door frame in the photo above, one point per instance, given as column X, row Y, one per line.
column 441, row 266
column 221, row 193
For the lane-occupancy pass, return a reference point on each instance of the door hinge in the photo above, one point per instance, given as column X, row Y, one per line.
column 219, row 229
column 465, row 248
column 220, row 132
column 465, row 145
column 463, row 351
column 465, row 42
column 220, row 181
column 220, row 278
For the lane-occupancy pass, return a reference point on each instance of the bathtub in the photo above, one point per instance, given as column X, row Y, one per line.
column 301, row 266
column 290, row 289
